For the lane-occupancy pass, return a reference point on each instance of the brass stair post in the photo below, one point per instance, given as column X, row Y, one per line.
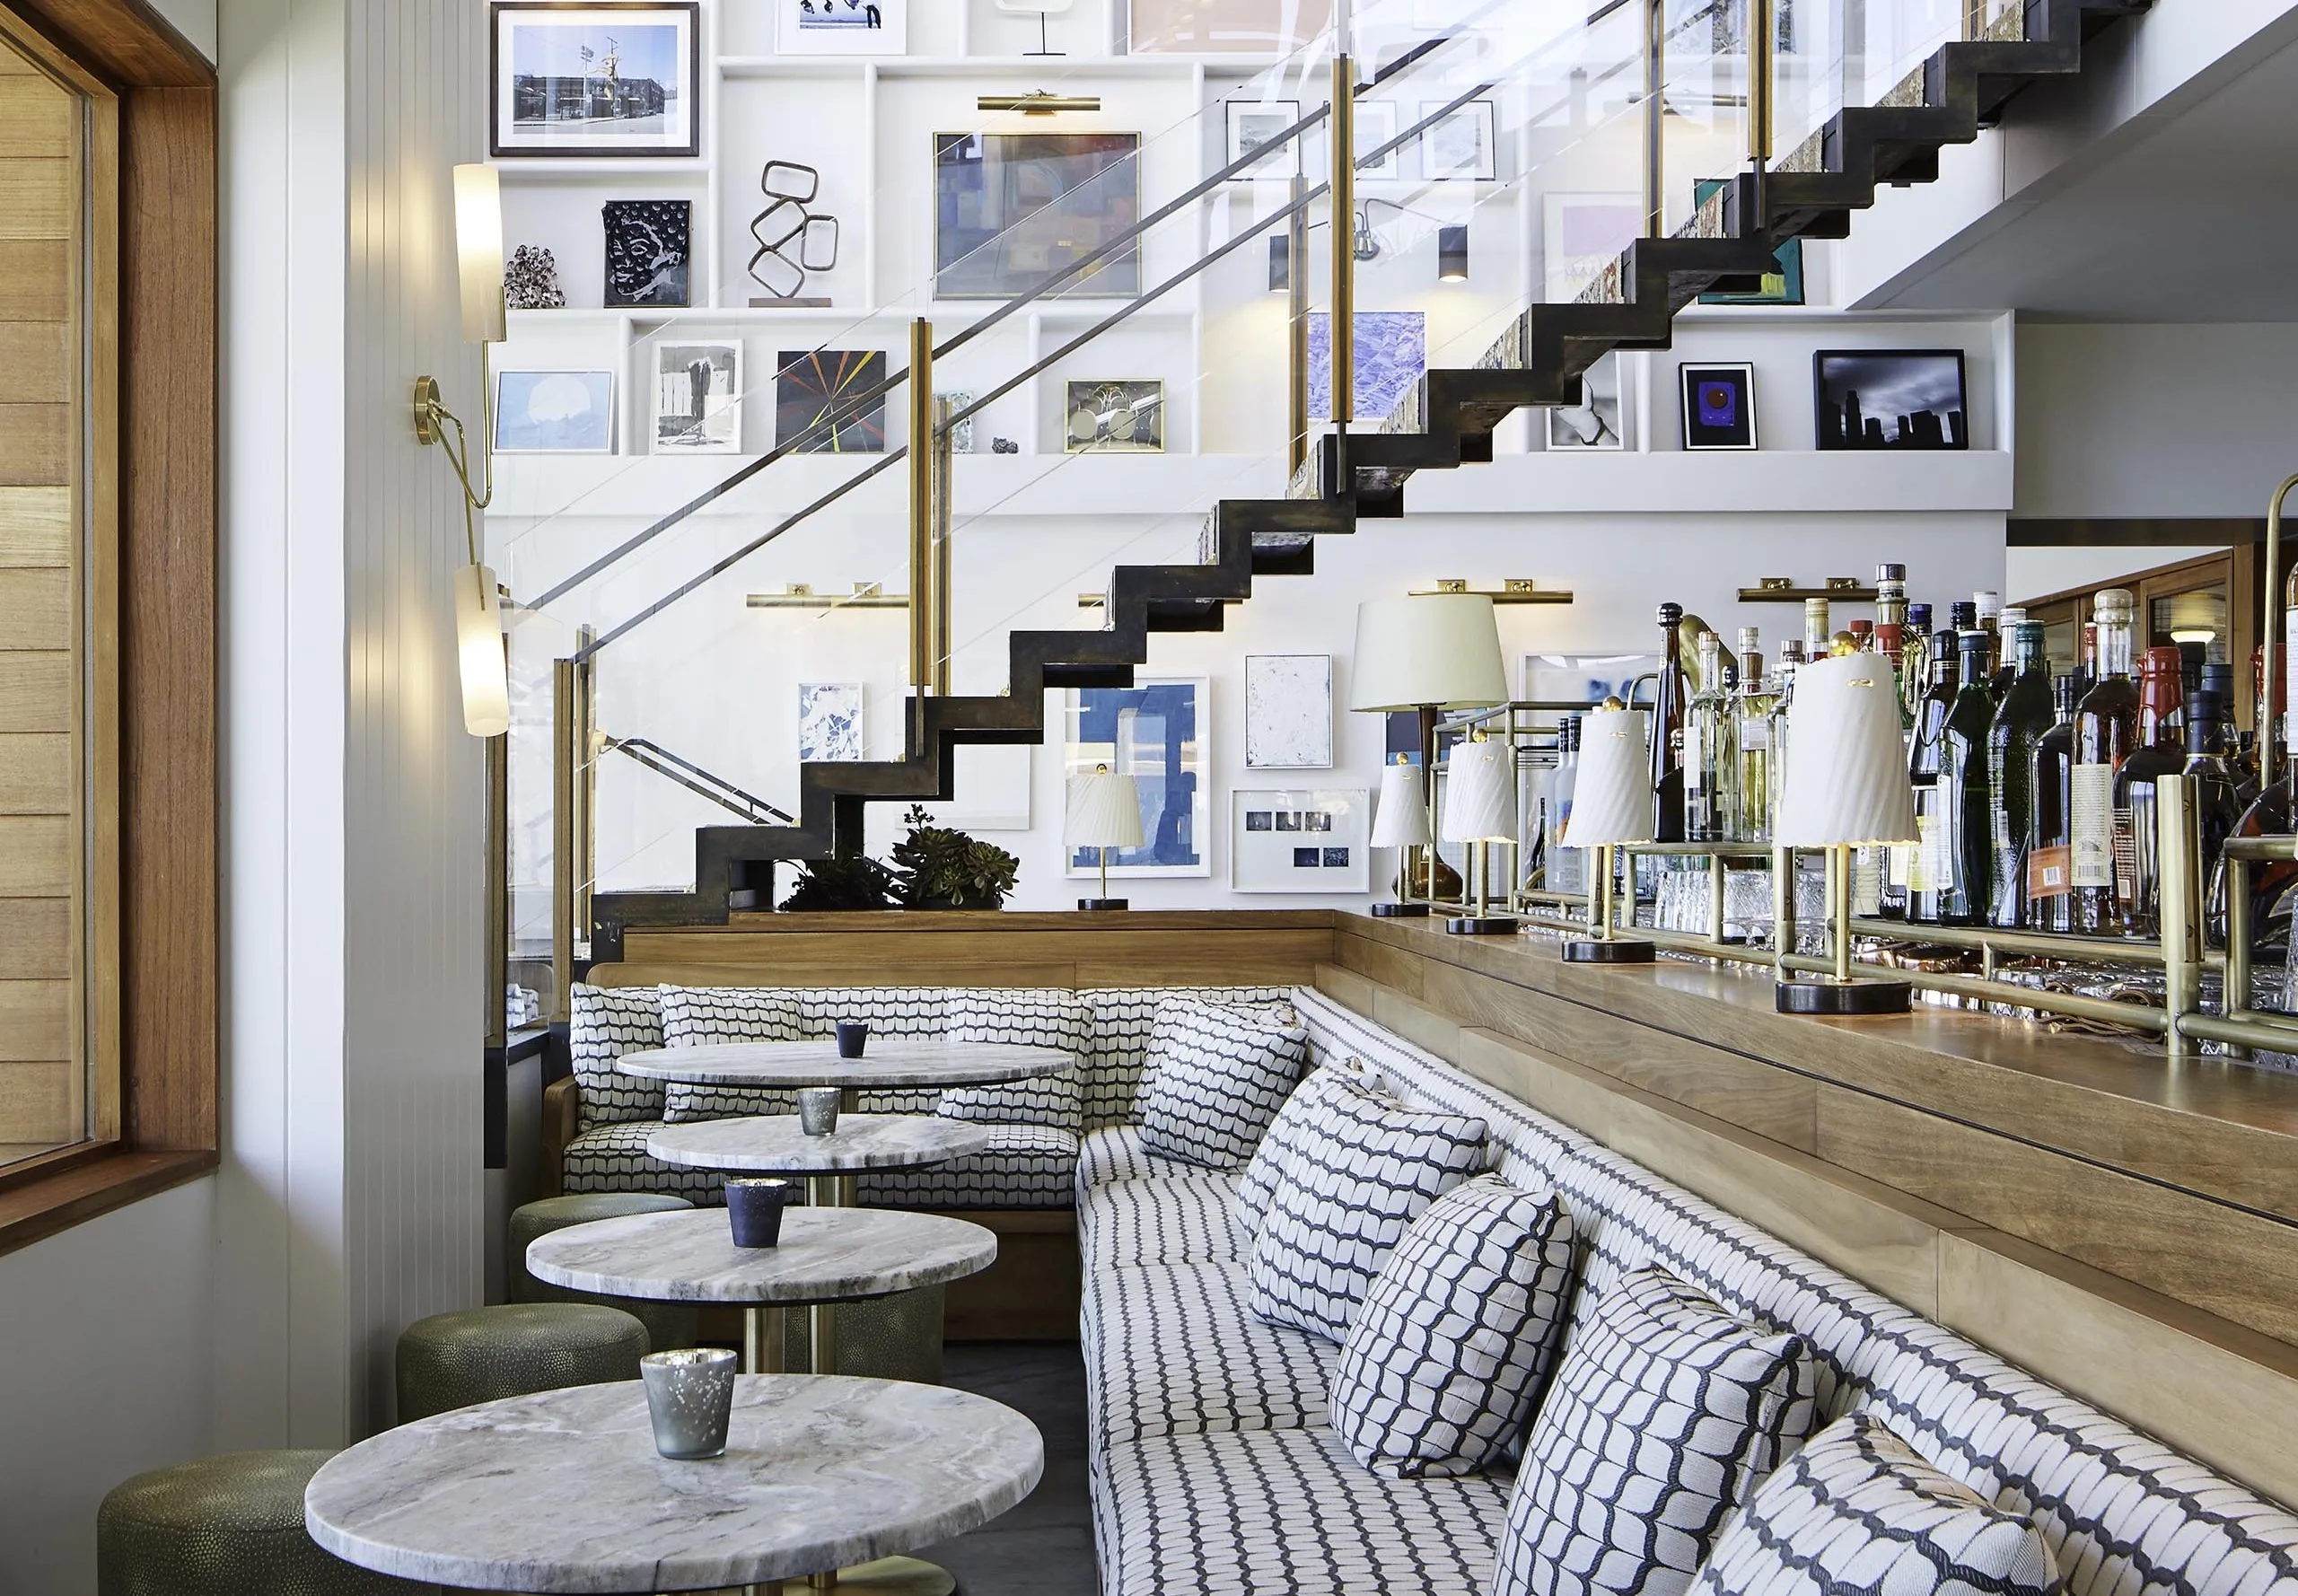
column 563, row 695
column 945, row 450
column 921, row 527
column 1344, row 238
column 1759, row 113
column 1297, row 293
column 1656, row 89
column 586, row 786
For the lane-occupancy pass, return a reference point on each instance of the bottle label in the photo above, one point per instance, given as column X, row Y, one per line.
column 2050, row 873
column 1695, row 753
column 2093, row 801
column 1923, row 873
column 1902, row 867
column 2284, row 689
column 1867, row 882
column 1755, row 735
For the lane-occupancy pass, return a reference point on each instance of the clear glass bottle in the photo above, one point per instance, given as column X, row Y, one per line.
column 2106, row 733
column 1706, row 759
column 1925, row 755
column 1817, row 641
column 2160, row 751
column 1670, row 708
column 2013, row 748
column 1751, row 714
column 1791, row 658
column 1915, row 664
column 2050, row 869
column 1566, row 866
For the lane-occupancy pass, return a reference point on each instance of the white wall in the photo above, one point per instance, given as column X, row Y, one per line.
column 196, row 20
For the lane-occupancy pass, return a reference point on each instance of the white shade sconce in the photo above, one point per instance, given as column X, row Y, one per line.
column 1480, row 811
column 1104, row 813
column 1611, row 804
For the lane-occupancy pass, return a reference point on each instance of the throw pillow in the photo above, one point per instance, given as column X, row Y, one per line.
column 1664, row 1414
column 1364, row 1168
column 704, row 1016
column 607, row 1022
column 1051, row 1018
column 1440, row 1369
column 1217, row 1076
column 1858, row 1509
column 1287, row 1128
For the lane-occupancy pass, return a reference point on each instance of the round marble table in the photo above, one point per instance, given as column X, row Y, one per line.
column 775, row 1145
column 562, row 1491
column 889, row 1063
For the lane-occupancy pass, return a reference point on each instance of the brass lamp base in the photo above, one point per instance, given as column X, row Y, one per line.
column 1095, row 905
column 1844, row 999
column 1625, row 951
column 1400, row 911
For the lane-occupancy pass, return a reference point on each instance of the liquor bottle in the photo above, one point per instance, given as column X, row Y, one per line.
column 1817, row 641
column 1668, row 706
column 1915, row 664
column 1791, row 659
column 1925, row 757
column 1961, row 841
column 2006, row 663
column 1751, row 737
column 2161, row 752
column 1891, row 612
column 1863, row 636
column 1566, row 866
column 2050, row 871
column 2013, row 747
column 2106, row 733
column 2217, row 787
column 1706, row 759
column 1986, row 614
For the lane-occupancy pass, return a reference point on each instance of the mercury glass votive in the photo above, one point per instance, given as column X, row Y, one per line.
column 818, row 1109
column 690, row 1397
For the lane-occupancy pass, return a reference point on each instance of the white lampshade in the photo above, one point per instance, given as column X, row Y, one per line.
column 1611, row 794
column 478, row 252
column 1846, row 769
column 1036, row 8
column 1443, row 650
column 1480, row 793
column 479, row 647
column 1104, row 811
column 1401, row 821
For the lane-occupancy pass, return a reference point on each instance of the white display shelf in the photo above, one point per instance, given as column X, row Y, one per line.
column 1673, row 482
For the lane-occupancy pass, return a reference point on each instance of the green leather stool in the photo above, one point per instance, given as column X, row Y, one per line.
column 669, row 1325
column 228, row 1526
column 452, row 1359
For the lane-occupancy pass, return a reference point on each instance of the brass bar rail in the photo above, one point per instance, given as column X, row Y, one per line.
column 944, row 490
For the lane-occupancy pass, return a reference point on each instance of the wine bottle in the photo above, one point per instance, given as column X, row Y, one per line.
column 1961, row 841
column 1986, row 614
column 1705, row 818
column 2006, row 663
column 2050, row 870
column 1925, row 757
column 2217, row 787
column 1668, row 706
column 2161, row 752
column 2013, row 747
column 2106, row 733
column 1751, row 741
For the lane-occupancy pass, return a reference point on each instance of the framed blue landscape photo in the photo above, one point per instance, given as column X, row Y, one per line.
column 554, row 412
column 1155, row 732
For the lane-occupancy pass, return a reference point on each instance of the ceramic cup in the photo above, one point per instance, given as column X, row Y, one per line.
column 690, row 1397
column 853, row 1036
column 754, row 1209
column 818, row 1109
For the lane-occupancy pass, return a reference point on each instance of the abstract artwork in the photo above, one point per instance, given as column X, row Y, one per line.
column 1584, row 681
column 531, row 280
column 1013, row 209
column 1113, row 418
column 820, row 392
column 1782, row 285
column 830, row 722
column 1255, row 123
column 1156, row 732
column 1288, row 711
column 1314, row 841
column 842, row 27
column 794, row 240
column 1391, row 355
column 697, row 399
column 649, row 246
column 1892, row 398
column 1463, row 144
column 1596, row 422
column 598, row 81
column 1583, row 234
column 554, row 412
column 1719, row 405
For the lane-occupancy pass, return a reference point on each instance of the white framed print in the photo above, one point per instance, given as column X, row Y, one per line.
column 1256, row 123
column 841, row 27
column 1156, row 732
column 1583, row 235
column 697, row 399
column 594, row 80
column 554, row 412
column 830, row 722
column 1463, row 144
column 1600, row 420
column 1313, row 840
column 1288, row 712
column 1376, row 127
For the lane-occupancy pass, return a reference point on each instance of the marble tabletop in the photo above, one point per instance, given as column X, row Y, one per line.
column 826, row 1255
column 775, row 1145
column 888, row 1063
column 564, row 1490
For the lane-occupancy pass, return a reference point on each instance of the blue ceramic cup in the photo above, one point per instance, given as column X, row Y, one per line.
column 754, row 1209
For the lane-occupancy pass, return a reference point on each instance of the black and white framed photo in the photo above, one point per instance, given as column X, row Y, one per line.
column 1892, row 398
column 697, row 399
column 1262, row 124
column 1600, row 420
column 1113, row 418
column 554, row 412
column 1314, row 840
column 1719, row 405
column 1463, row 144
column 600, row 80
column 650, row 249
column 1376, row 129
column 841, row 27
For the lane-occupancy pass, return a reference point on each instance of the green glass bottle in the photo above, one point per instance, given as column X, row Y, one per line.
column 2014, row 751
column 1965, row 861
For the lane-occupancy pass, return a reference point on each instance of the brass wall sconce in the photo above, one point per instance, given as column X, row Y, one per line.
column 1515, row 589
column 1039, row 102
column 1785, row 590
column 800, row 595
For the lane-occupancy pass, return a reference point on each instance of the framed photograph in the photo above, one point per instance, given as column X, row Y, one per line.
column 1719, row 405
column 826, row 388
column 554, row 412
column 601, row 80
column 1011, row 209
column 1599, row 421
column 1156, row 732
column 1391, row 356
column 1309, row 841
column 649, row 252
column 1782, row 285
column 1255, row 123
column 1113, row 418
column 1464, row 143
column 697, row 399
column 1376, row 127
column 1581, row 236
column 841, row 27
column 830, row 722
column 1575, row 680
column 1288, row 712
column 1890, row 398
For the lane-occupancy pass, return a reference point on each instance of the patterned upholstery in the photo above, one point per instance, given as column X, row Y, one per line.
column 1293, row 1124
column 1123, row 1020
column 1217, row 1075
column 1047, row 1018
column 614, row 1158
column 1179, row 1219
column 482, row 1354
column 1025, row 1166
column 1114, row 1153
column 605, row 1024
column 703, row 1016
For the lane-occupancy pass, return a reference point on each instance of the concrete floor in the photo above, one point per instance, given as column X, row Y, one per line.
column 1044, row 1547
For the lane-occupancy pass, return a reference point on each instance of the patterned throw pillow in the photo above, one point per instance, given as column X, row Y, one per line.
column 1300, row 1109
column 1049, row 1018
column 1857, row 1509
column 1665, row 1414
column 1217, row 1076
column 1362, row 1169
column 607, row 1022
column 701, row 1016
column 1440, row 1371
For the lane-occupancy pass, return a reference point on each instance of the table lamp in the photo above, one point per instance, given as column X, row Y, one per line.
column 1104, row 813
column 1611, row 804
column 1846, row 787
column 1480, row 810
column 1402, row 822
column 1426, row 655
column 1041, row 9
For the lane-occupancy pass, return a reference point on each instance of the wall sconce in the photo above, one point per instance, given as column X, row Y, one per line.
column 1280, row 263
column 1039, row 102
column 1515, row 589
column 800, row 595
column 1453, row 254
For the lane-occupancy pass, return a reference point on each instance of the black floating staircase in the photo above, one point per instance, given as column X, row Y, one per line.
column 1446, row 421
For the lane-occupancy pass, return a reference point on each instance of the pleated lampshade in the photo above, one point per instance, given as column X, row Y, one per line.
column 1104, row 811
column 1442, row 649
column 1401, row 818
column 1847, row 770
column 1480, row 793
column 1611, row 796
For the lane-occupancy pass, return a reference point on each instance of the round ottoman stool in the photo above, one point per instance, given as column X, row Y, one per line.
column 452, row 1359
column 669, row 1325
column 229, row 1526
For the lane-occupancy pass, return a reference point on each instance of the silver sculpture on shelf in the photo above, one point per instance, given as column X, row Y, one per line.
column 531, row 280
column 794, row 240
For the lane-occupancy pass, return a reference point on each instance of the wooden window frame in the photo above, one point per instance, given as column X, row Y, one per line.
column 152, row 751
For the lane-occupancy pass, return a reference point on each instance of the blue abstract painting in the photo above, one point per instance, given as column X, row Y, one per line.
column 1391, row 354
column 830, row 722
column 1155, row 732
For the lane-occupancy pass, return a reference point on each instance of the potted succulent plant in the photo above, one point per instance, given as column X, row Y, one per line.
column 859, row 883
column 938, row 867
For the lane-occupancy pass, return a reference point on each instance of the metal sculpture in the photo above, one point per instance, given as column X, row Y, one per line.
column 795, row 241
